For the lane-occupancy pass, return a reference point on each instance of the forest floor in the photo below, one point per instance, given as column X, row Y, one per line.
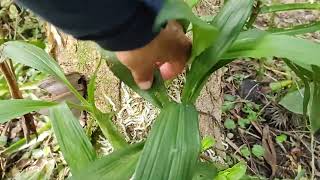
column 239, row 106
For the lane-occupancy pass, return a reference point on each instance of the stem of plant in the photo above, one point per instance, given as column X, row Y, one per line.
column 27, row 120
column 289, row 7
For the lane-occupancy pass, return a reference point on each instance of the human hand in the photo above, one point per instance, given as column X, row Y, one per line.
column 169, row 52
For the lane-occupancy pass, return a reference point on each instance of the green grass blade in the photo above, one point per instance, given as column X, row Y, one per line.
column 172, row 148
column 155, row 95
column 91, row 85
column 109, row 130
column 74, row 144
column 230, row 22
column 258, row 44
column 119, row 165
column 306, row 78
column 17, row 145
column 315, row 104
column 36, row 58
column 203, row 34
column 10, row 109
column 295, row 30
column 192, row 3
column 289, row 7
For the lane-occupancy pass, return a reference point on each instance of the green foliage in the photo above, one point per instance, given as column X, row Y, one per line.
column 10, row 109
column 234, row 173
column 243, row 122
column 258, row 151
column 118, row 165
column 229, row 21
column 205, row 171
column 229, row 124
column 281, row 138
column 36, row 58
column 245, row 152
column 172, row 148
column 74, row 144
column 207, row 142
column 293, row 101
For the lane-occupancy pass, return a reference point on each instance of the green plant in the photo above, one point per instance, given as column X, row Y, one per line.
column 172, row 149
column 258, row 151
column 281, row 138
column 245, row 152
column 229, row 124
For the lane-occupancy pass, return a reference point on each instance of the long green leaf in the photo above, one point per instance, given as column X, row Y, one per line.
column 10, row 109
column 91, row 85
column 203, row 34
column 109, row 130
column 230, row 22
column 117, row 166
column 74, row 144
column 258, row 44
column 295, row 30
column 172, row 148
column 315, row 104
column 36, row 58
column 290, row 6
column 155, row 95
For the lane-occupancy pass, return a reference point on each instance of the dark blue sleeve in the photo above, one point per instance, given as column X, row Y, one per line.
column 114, row 24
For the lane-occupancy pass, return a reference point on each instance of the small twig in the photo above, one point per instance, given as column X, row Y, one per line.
column 313, row 157
column 27, row 121
column 254, row 15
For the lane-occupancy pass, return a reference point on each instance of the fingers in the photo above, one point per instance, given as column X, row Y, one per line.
column 141, row 69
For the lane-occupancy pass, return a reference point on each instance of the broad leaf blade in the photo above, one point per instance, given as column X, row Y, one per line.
column 229, row 22
column 172, row 148
column 118, row 166
column 258, row 44
column 315, row 103
column 36, row 58
column 10, row 109
column 155, row 95
column 293, row 101
column 74, row 144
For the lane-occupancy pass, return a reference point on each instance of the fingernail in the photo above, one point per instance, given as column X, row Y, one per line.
column 145, row 85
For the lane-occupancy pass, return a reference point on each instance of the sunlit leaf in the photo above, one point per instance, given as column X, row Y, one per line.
column 172, row 148
column 10, row 109
column 74, row 144
column 207, row 143
column 118, row 165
